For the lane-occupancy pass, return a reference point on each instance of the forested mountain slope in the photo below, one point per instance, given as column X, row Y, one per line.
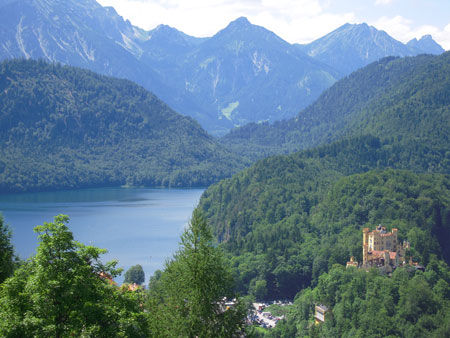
column 63, row 127
column 404, row 98
column 285, row 220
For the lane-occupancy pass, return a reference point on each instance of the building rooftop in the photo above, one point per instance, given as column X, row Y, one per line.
column 380, row 254
column 322, row 307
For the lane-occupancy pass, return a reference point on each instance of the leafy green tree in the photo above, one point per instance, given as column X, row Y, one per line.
column 66, row 291
column 153, row 282
column 135, row 274
column 188, row 300
column 258, row 288
column 6, row 251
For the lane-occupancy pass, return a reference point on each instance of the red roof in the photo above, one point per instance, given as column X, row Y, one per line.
column 380, row 254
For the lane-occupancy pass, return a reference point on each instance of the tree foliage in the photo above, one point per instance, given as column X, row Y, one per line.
column 64, row 291
column 6, row 251
column 411, row 303
column 135, row 274
column 287, row 220
column 188, row 298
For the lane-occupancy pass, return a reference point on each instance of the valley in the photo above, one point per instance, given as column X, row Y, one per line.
column 283, row 155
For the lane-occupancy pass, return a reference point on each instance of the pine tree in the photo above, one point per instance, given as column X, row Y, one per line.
column 189, row 297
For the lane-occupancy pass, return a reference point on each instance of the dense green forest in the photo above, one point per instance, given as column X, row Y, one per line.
column 406, row 99
column 409, row 304
column 63, row 127
column 66, row 290
column 288, row 219
column 276, row 220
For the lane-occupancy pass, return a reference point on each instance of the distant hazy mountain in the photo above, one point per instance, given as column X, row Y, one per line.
column 82, row 33
column 353, row 46
column 63, row 127
column 246, row 73
column 427, row 45
column 242, row 74
column 405, row 99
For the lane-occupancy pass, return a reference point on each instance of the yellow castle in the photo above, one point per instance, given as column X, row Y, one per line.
column 381, row 248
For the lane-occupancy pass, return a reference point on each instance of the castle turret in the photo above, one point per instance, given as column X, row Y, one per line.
column 387, row 258
column 365, row 245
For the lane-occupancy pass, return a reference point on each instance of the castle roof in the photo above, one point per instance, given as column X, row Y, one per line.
column 380, row 254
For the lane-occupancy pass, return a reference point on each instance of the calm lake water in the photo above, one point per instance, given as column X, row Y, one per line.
column 136, row 226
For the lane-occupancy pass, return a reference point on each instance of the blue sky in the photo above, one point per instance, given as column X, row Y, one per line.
column 299, row 21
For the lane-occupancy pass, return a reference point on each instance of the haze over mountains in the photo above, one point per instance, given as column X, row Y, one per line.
column 242, row 74
column 353, row 46
column 404, row 98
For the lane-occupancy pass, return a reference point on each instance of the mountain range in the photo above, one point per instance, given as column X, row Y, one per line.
column 242, row 74
column 353, row 46
column 390, row 97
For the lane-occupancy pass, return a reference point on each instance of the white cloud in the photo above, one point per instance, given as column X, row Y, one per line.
column 383, row 2
column 398, row 27
column 293, row 20
column 298, row 21
column 303, row 29
column 195, row 17
column 403, row 30
column 443, row 37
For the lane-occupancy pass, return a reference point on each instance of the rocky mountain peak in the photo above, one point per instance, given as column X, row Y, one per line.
column 426, row 44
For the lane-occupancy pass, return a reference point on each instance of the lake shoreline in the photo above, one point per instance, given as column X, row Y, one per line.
column 136, row 225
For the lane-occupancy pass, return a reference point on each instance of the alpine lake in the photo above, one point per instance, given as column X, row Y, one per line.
column 136, row 225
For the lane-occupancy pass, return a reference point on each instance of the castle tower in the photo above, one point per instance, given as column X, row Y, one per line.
column 365, row 245
column 387, row 258
column 395, row 244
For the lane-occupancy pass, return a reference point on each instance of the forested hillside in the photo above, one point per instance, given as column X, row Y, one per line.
column 405, row 99
column 288, row 219
column 408, row 304
column 63, row 127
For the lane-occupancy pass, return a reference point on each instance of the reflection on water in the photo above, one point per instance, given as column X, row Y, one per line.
column 137, row 226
